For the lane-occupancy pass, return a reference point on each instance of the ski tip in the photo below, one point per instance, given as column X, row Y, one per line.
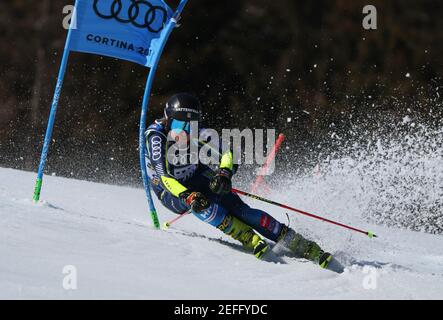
column 372, row 235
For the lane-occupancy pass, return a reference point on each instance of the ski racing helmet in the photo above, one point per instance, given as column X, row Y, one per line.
column 180, row 110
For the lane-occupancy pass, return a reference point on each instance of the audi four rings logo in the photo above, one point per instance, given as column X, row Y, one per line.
column 140, row 13
column 156, row 144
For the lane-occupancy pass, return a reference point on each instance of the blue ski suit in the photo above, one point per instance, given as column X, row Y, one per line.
column 169, row 180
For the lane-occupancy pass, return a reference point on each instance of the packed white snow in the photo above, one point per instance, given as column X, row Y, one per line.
column 95, row 241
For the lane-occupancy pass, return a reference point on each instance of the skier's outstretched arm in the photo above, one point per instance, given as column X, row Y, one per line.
column 156, row 144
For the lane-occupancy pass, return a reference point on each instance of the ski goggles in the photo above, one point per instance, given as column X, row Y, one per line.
column 178, row 126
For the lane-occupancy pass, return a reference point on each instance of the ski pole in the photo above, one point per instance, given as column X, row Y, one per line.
column 167, row 224
column 253, row 196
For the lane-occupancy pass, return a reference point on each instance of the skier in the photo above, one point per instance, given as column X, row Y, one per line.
column 194, row 186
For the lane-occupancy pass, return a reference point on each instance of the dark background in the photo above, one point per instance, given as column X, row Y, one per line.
column 253, row 63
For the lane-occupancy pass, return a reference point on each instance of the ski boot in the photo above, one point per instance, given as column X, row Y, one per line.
column 240, row 231
column 303, row 248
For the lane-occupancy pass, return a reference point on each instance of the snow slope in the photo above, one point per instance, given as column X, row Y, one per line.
column 104, row 232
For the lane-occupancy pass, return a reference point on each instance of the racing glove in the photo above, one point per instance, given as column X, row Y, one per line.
column 196, row 200
column 221, row 182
